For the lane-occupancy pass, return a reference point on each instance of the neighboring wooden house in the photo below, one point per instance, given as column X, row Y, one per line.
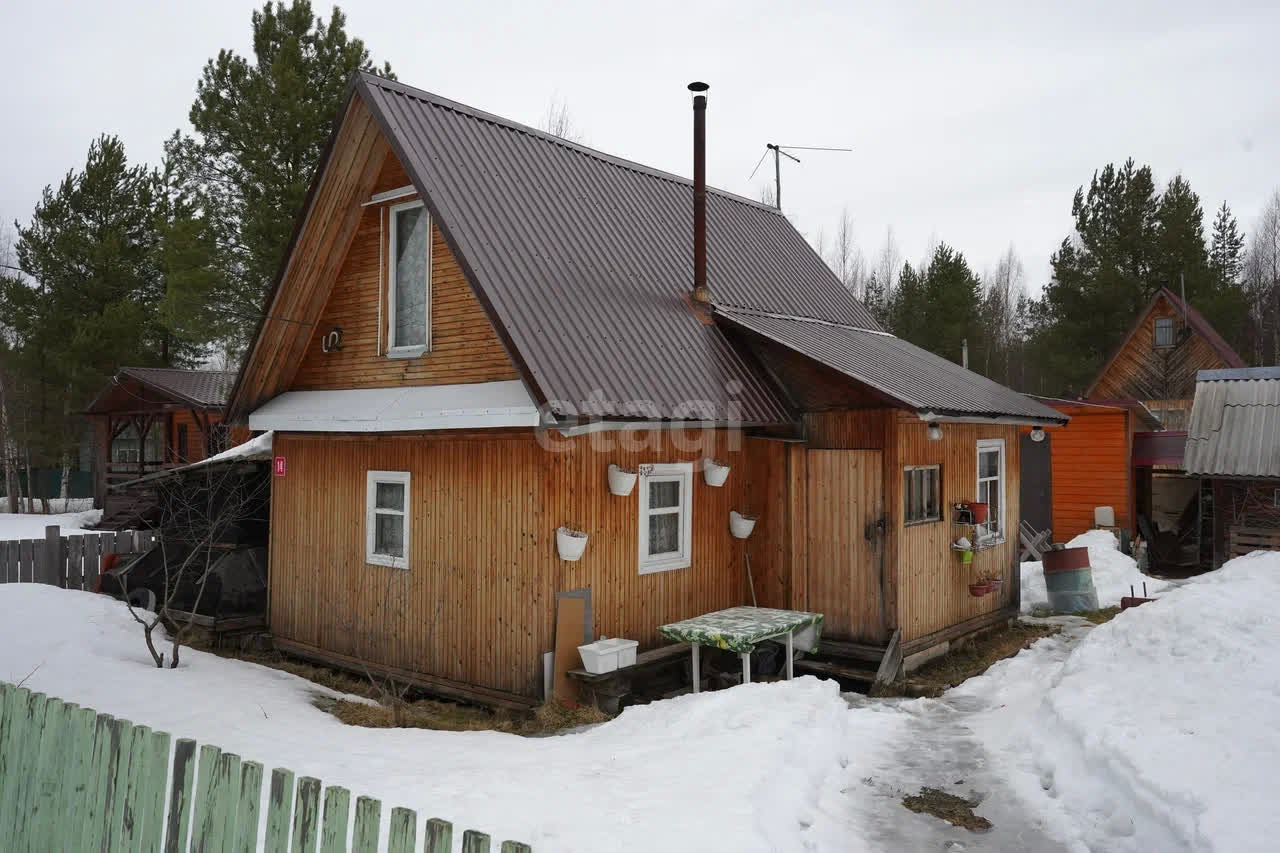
column 1124, row 445
column 1091, row 461
column 1233, row 442
column 150, row 419
column 475, row 319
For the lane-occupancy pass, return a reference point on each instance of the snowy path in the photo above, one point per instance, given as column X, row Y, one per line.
column 938, row 747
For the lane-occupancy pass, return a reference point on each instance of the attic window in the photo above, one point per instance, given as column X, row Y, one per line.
column 409, row 280
column 1164, row 332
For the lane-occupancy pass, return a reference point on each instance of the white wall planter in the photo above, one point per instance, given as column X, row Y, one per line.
column 570, row 543
column 621, row 481
column 714, row 473
column 607, row 655
column 740, row 525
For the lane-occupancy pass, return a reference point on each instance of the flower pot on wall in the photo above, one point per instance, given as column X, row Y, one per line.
column 978, row 511
column 966, row 557
column 979, row 589
column 713, row 472
column 740, row 525
column 621, row 480
column 570, row 543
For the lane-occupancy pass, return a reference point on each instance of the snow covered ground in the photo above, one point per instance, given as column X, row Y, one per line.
column 1113, row 573
column 743, row 769
column 1153, row 732
column 1157, row 731
column 31, row 525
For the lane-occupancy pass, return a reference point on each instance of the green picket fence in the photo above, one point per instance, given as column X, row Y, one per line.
column 72, row 779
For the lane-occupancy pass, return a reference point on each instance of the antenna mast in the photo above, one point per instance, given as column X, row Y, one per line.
column 780, row 151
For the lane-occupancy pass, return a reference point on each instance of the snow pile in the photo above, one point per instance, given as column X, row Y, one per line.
column 1158, row 732
column 747, row 769
column 32, row 525
column 1113, row 573
column 258, row 447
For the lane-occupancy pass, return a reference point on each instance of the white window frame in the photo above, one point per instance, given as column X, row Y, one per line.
column 1155, row 333
column 937, row 481
column 987, row 445
column 394, row 351
column 372, row 479
column 681, row 472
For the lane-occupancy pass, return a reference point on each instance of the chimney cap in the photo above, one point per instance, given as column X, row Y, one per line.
column 698, row 87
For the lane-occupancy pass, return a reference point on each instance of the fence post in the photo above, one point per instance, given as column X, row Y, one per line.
column 54, row 573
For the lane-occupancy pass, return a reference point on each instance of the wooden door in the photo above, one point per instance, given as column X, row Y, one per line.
column 845, row 573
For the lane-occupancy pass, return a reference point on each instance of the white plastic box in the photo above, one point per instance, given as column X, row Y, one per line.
column 1104, row 516
column 607, row 655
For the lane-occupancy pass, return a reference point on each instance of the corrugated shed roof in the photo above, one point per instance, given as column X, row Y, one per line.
column 914, row 377
column 1235, row 424
column 585, row 260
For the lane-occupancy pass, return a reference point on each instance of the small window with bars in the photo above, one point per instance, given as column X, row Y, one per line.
column 922, row 493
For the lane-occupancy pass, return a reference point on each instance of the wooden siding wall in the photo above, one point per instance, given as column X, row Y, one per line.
column 1142, row 372
column 477, row 602
column 194, row 451
column 932, row 584
column 1090, row 463
column 464, row 345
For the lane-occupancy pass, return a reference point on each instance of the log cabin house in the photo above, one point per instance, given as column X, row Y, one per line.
column 475, row 319
column 1125, row 443
column 150, row 419
column 1233, row 443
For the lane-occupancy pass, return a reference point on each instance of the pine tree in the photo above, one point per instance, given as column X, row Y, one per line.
column 261, row 124
column 940, row 308
column 1226, row 251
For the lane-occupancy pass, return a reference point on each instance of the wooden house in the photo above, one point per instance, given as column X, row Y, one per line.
column 1233, row 443
column 150, row 419
column 476, row 319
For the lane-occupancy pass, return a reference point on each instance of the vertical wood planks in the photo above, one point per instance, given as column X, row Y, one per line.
column 402, row 835
column 246, row 838
column 71, row 778
column 438, row 836
column 364, row 835
column 306, row 813
column 279, row 801
column 181, row 791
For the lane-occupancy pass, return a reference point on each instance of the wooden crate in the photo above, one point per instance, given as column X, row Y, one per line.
column 1246, row 539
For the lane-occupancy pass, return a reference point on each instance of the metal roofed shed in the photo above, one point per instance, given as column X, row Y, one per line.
column 1235, row 423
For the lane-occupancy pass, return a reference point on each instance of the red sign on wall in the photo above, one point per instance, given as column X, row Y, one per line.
column 280, row 466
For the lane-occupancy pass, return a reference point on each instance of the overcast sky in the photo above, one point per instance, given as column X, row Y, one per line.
column 970, row 123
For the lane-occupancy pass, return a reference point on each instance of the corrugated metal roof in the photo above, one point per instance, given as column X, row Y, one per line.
column 903, row 371
column 203, row 387
column 585, row 260
column 1235, row 424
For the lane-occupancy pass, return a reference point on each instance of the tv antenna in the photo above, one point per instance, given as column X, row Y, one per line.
column 780, row 151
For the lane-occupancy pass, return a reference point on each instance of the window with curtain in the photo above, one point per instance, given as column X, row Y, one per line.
column 1164, row 331
column 387, row 519
column 409, row 275
column 666, row 533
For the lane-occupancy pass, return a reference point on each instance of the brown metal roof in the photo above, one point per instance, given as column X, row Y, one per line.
column 1235, row 423
column 199, row 388
column 585, row 259
column 913, row 377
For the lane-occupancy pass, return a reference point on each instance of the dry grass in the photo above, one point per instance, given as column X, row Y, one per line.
column 974, row 658
column 443, row 716
column 954, row 810
column 422, row 713
column 1097, row 617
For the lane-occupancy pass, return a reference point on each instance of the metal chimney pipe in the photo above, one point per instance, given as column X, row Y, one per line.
column 700, row 291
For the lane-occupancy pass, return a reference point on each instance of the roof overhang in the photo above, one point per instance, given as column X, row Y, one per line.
column 1153, row 449
column 1010, row 420
column 478, row 405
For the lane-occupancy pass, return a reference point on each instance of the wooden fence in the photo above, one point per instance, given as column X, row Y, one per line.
column 74, row 779
column 71, row 562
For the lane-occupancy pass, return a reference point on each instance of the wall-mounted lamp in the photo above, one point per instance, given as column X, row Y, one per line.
column 1037, row 434
column 935, row 432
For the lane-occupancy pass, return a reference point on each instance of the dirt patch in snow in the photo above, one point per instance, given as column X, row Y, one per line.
column 974, row 658
column 956, row 811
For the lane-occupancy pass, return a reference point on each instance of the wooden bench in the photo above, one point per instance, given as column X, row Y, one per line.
column 608, row 689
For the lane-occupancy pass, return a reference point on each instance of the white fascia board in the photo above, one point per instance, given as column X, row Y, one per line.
column 480, row 405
